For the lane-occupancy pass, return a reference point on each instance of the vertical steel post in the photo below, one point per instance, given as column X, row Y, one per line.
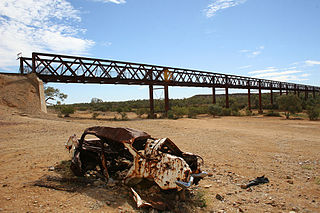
column 306, row 93
column 295, row 89
column 166, row 99
column 151, row 101
column 280, row 88
column 213, row 95
column 260, row 102
column 249, row 98
column 21, row 65
column 271, row 96
column 249, row 101
column 287, row 92
column 314, row 92
column 33, row 62
column 227, row 93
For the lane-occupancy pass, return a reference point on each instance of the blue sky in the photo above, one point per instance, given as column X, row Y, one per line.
column 270, row 39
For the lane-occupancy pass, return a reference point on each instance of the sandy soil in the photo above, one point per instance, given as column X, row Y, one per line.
column 235, row 150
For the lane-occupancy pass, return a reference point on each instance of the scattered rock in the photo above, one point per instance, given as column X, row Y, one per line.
column 207, row 186
column 219, row 197
column 51, row 168
column 108, row 203
column 4, row 185
column 249, row 190
column 290, row 181
column 210, row 174
column 288, row 177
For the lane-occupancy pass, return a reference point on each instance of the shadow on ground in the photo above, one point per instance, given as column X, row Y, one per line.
column 115, row 194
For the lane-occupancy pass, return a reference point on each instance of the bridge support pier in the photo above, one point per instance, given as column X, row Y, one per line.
column 213, row 95
column 306, row 93
column 249, row 100
column 151, row 101
column 166, row 99
column 314, row 93
column 260, row 102
column 227, row 98
column 271, row 97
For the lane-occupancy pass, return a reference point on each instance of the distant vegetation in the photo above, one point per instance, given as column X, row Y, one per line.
column 202, row 104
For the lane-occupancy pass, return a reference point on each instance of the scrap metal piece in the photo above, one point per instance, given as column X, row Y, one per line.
column 140, row 203
column 257, row 181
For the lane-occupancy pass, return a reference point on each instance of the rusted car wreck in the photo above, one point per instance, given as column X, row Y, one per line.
column 131, row 155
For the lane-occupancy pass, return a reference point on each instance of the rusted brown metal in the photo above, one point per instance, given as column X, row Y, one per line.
column 151, row 101
column 260, row 101
column 166, row 99
column 213, row 95
column 134, row 155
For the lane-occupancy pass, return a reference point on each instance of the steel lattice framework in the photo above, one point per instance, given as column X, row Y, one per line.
column 73, row 69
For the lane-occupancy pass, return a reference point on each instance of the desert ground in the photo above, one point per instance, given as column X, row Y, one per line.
column 235, row 150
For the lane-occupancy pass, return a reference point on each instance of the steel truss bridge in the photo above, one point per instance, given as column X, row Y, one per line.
column 74, row 69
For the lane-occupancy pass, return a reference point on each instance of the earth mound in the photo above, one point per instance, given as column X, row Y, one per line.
column 23, row 92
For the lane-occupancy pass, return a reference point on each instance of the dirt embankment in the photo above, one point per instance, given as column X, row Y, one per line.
column 21, row 92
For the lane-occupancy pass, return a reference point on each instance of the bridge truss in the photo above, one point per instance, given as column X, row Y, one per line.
column 74, row 69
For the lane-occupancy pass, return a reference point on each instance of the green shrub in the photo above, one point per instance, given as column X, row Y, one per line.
column 192, row 112
column 170, row 114
column 214, row 109
column 226, row 112
column 66, row 110
column 141, row 111
column 313, row 113
column 248, row 112
column 82, row 108
column 273, row 114
column 291, row 104
column 124, row 116
column 95, row 115
column 235, row 112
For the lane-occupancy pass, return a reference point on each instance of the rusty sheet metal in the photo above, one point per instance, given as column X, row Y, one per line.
column 117, row 134
column 165, row 169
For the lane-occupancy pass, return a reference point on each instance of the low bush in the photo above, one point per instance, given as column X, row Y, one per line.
column 273, row 114
column 226, row 112
column 67, row 110
column 215, row 110
column 313, row 113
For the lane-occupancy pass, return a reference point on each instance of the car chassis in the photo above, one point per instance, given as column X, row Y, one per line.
column 131, row 155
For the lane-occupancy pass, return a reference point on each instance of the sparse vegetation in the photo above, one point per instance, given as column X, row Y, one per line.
column 215, row 110
column 291, row 104
column 66, row 110
column 54, row 94
column 201, row 104
column 273, row 114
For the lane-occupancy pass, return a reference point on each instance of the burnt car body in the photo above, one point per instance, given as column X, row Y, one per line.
column 131, row 155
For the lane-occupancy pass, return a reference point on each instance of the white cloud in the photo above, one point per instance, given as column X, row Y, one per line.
column 311, row 63
column 46, row 26
column 217, row 5
column 245, row 67
column 112, row 1
column 269, row 69
column 252, row 53
column 273, row 74
column 106, row 43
